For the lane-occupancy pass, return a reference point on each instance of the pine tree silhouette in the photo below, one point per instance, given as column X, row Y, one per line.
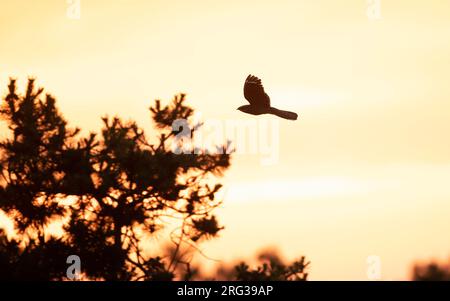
column 111, row 191
column 120, row 186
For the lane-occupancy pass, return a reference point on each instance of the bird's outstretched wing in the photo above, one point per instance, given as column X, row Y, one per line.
column 254, row 92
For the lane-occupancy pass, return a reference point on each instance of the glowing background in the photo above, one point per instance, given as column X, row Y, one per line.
column 365, row 169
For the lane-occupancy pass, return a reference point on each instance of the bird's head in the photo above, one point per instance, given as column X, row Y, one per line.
column 245, row 109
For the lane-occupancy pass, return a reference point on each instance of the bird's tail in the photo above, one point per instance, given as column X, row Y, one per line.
column 284, row 114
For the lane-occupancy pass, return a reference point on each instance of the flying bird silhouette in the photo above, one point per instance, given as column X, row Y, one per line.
column 260, row 101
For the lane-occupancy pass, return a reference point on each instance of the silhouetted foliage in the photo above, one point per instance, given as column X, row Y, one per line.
column 268, row 266
column 111, row 190
column 273, row 271
column 431, row 271
column 36, row 261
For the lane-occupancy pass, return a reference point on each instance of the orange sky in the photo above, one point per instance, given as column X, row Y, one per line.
column 362, row 172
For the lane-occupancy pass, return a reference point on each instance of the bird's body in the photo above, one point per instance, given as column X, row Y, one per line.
column 260, row 101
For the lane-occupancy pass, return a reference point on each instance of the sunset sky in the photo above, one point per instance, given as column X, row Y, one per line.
column 365, row 169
